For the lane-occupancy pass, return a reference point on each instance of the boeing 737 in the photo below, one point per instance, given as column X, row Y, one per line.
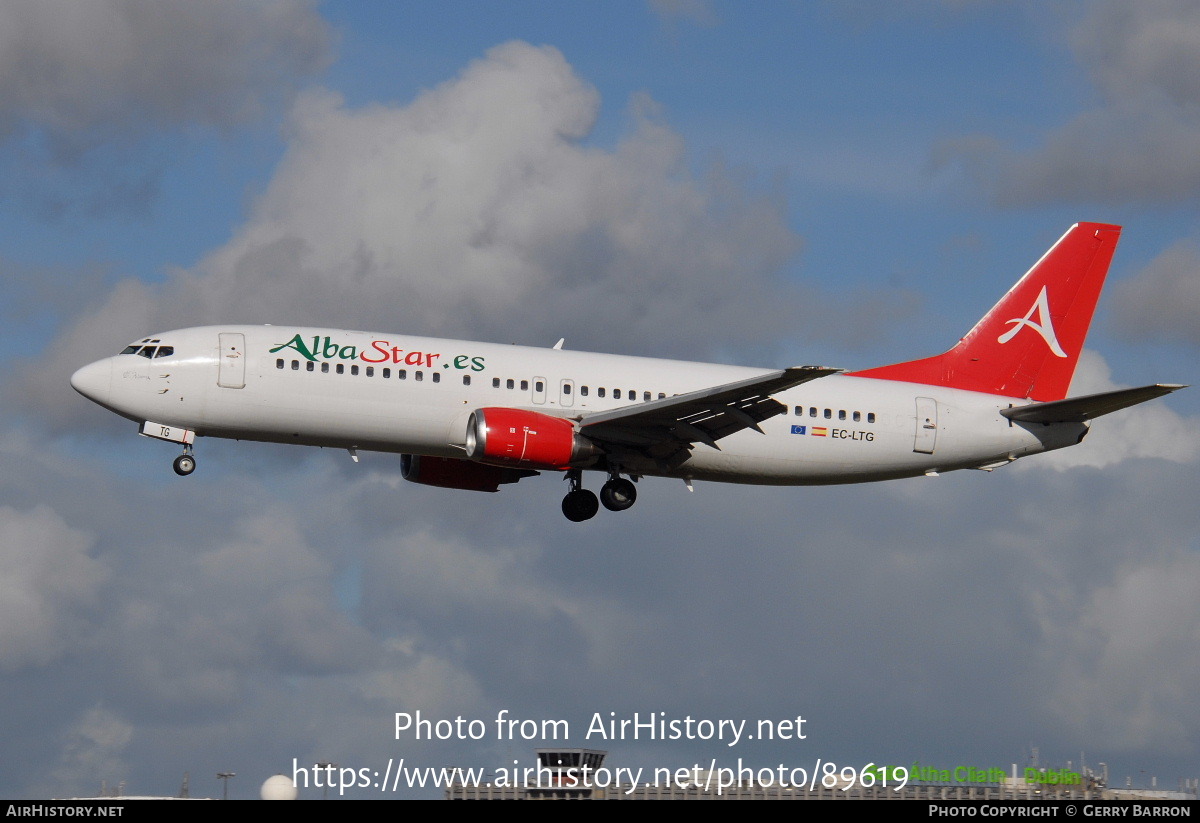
column 475, row 416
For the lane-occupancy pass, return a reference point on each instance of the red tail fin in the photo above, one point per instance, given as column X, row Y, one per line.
column 1029, row 343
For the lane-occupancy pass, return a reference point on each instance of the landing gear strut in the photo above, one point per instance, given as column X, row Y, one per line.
column 579, row 504
column 184, row 464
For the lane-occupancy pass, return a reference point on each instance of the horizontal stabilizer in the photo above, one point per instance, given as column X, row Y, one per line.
column 1079, row 409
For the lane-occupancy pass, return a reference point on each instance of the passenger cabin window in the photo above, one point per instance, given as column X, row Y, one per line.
column 466, row 379
column 437, row 377
column 324, row 368
column 524, row 385
column 495, row 382
column 510, row 383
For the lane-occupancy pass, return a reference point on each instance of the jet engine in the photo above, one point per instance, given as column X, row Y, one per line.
column 514, row 437
column 449, row 473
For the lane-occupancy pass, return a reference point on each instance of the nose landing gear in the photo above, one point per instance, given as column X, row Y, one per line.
column 185, row 463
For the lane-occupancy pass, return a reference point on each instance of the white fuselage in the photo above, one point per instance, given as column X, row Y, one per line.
column 394, row 393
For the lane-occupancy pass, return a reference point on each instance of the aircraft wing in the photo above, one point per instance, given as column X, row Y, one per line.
column 665, row 429
column 1079, row 409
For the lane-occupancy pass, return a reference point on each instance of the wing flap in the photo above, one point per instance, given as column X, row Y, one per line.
column 1079, row 409
column 667, row 427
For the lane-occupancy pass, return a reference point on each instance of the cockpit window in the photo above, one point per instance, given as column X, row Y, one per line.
column 149, row 351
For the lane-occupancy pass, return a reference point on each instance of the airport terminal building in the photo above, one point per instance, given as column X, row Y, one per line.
column 562, row 774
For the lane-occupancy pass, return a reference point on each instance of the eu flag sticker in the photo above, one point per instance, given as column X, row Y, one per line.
column 797, row 429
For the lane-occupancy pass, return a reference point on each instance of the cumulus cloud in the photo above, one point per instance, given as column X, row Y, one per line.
column 1138, row 144
column 84, row 72
column 476, row 208
column 48, row 586
column 89, row 91
column 1152, row 429
column 1163, row 301
column 1139, row 49
column 93, row 754
column 253, row 598
column 1126, row 676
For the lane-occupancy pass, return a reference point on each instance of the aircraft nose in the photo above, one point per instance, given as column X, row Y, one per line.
column 94, row 380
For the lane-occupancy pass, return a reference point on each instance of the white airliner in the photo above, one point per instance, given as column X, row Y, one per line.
column 473, row 416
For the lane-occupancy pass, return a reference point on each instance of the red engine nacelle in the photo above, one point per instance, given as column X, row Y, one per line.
column 523, row 438
column 449, row 473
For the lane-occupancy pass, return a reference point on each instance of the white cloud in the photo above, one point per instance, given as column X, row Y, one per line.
column 234, row 604
column 1124, row 678
column 1138, row 144
column 48, row 586
column 89, row 71
column 93, row 755
column 476, row 209
column 1139, row 49
column 1163, row 300
column 1150, row 429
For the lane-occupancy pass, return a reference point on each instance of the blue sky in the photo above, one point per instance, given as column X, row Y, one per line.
column 768, row 184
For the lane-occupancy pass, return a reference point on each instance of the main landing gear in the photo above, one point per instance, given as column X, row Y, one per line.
column 185, row 463
column 579, row 504
column 617, row 495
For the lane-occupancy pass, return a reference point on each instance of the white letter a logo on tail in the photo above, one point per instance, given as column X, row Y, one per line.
column 1044, row 326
